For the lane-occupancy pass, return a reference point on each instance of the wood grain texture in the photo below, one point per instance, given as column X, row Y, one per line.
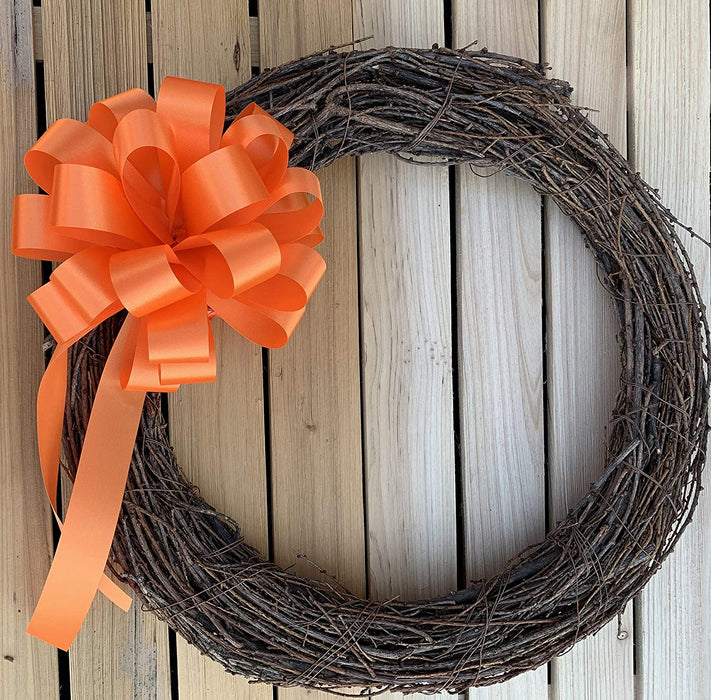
column 500, row 324
column 217, row 429
column 185, row 44
column 669, row 108
column 314, row 382
column 246, row 53
column 406, row 314
column 93, row 50
column 585, row 44
column 28, row 667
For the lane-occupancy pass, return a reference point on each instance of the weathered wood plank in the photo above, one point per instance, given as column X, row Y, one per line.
column 314, row 381
column 185, row 44
column 407, row 347
column 669, row 110
column 499, row 291
column 251, row 51
column 93, row 50
column 217, row 429
column 28, row 667
column 586, row 46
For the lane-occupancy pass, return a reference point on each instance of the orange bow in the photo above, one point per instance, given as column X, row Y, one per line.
column 153, row 209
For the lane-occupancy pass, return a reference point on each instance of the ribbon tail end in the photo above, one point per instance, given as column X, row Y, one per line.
column 57, row 638
column 115, row 594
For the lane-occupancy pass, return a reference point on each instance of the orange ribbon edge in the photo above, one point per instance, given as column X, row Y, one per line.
column 153, row 209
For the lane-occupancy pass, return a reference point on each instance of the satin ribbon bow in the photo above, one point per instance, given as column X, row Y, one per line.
column 152, row 209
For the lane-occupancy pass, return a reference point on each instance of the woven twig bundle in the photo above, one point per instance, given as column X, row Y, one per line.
column 189, row 564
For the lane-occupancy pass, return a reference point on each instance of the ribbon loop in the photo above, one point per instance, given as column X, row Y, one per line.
column 230, row 261
column 67, row 141
column 179, row 332
column 197, row 120
column 148, row 167
column 88, row 204
column 148, row 279
column 78, row 296
column 264, row 326
column 32, row 235
column 222, row 189
column 105, row 116
column 265, row 140
column 191, row 372
column 289, row 290
column 290, row 215
column 253, row 108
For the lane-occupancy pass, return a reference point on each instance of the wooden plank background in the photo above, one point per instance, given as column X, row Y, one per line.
column 448, row 389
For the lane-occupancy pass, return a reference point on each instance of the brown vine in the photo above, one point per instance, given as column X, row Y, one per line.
column 189, row 564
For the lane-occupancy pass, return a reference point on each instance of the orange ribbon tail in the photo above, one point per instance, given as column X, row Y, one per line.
column 94, row 507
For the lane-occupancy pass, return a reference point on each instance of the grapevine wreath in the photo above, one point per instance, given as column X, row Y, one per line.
column 189, row 564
